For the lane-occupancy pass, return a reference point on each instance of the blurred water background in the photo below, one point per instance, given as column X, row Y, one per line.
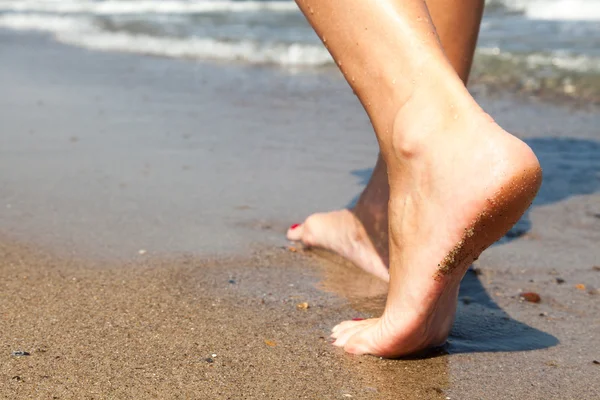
column 549, row 47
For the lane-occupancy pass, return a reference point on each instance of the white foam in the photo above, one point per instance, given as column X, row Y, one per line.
column 203, row 48
column 81, row 32
column 115, row 7
column 578, row 63
column 44, row 23
column 556, row 59
column 566, row 10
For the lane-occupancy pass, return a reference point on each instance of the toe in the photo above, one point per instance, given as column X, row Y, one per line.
column 343, row 326
column 295, row 232
column 344, row 336
column 359, row 341
column 342, row 332
column 356, row 345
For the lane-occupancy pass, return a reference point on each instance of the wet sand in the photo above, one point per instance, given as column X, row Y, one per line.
column 142, row 212
column 185, row 328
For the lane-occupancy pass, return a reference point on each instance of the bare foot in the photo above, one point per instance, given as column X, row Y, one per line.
column 343, row 233
column 359, row 235
column 462, row 184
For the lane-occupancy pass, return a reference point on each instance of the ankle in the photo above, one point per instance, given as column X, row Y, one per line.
column 433, row 111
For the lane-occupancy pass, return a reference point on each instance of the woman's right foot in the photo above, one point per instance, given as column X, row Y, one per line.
column 455, row 190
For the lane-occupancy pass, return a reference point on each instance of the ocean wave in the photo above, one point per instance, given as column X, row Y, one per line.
column 588, row 10
column 116, row 7
column 556, row 59
column 575, row 10
column 45, row 23
column 290, row 55
column 82, row 32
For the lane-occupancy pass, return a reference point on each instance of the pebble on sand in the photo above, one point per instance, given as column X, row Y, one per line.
column 302, row 306
column 270, row 343
column 580, row 286
column 20, row 353
column 531, row 297
column 596, row 268
column 141, row 252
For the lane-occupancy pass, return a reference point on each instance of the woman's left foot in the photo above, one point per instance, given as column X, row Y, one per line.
column 343, row 233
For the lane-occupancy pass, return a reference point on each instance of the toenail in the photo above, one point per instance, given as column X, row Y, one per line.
column 358, row 319
column 294, row 226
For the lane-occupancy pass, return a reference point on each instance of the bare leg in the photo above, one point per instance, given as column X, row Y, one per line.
column 361, row 234
column 457, row 180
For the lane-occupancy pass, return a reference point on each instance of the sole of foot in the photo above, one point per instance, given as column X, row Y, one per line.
column 454, row 192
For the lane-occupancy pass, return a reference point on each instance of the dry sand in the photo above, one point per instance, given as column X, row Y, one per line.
column 203, row 167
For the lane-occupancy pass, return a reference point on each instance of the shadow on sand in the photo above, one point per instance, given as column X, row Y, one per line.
column 571, row 167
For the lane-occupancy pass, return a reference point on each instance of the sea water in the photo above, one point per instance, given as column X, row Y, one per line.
column 535, row 40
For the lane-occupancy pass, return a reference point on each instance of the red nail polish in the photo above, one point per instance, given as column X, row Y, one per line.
column 294, row 226
column 357, row 319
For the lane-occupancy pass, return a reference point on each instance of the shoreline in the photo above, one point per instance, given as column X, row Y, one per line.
column 203, row 167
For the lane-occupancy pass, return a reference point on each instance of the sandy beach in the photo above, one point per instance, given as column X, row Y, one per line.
column 143, row 206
